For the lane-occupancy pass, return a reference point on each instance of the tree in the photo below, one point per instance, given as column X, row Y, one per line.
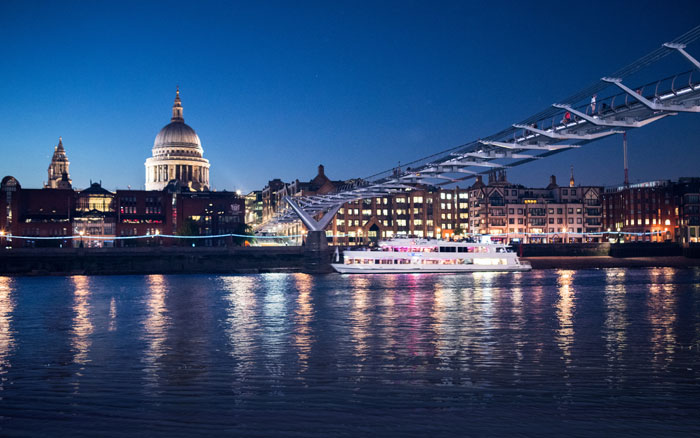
column 188, row 228
column 242, row 229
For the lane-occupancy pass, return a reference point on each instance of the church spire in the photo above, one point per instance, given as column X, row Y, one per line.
column 59, row 176
column 177, row 108
column 572, row 183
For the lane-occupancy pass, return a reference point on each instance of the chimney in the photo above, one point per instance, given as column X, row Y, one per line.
column 321, row 171
column 552, row 180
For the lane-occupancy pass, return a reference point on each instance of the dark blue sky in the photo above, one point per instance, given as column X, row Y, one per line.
column 274, row 89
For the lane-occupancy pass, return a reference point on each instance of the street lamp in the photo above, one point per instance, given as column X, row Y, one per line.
column 81, row 237
column 2, row 238
column 359, row 235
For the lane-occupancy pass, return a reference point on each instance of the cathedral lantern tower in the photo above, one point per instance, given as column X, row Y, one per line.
column 59, row 176
column 177, row 155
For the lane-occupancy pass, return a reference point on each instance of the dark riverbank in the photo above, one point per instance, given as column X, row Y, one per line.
column 239, row 260
column 158, row 260
column 593, row 262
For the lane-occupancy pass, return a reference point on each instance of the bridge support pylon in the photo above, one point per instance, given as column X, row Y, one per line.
column 316, row 251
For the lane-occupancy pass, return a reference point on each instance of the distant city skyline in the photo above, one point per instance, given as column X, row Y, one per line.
column 274, row 90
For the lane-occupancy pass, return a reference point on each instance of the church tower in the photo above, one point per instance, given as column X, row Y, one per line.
column 59, row 177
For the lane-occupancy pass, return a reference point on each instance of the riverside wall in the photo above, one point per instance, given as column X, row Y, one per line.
column 158, row 260
column 243, row 260
column 617, row 250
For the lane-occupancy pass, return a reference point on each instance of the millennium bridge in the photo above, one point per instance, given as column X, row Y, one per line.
column 611, row 106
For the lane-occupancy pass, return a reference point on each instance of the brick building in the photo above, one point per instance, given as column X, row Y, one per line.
column 35, row 212
column 655, row 211
column 423, row 212
column 647, row 210
column 96, row 216
column 688, row 193
column 534, row 215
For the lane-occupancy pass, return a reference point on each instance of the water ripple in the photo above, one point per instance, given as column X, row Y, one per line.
column 603, row 352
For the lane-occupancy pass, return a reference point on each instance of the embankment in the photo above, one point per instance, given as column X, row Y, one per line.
column 159, row 260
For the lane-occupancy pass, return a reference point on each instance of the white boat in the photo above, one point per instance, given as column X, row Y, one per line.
column 430, row 255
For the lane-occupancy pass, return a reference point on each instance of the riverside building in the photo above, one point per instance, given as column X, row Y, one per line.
column 654, row 211
column 96, row 217
column 506, row 211
column 553, row 214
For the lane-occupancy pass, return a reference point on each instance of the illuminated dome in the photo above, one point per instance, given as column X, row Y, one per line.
column 177, row 155
column 177, row 134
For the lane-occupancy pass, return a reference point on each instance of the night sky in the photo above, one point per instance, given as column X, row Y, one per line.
column 274, row 89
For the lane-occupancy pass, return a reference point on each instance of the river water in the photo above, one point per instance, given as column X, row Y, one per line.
column 547, row 352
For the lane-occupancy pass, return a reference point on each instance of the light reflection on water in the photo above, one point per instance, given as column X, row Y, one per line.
column 82, row 327
column 616, row 324
column 303, row 317
column 7, row 336
column 360, row 318
column 155, row 328
column 662, row 316
column 292, row 354
column 565, row 313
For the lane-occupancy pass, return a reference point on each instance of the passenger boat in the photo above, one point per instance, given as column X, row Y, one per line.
column 430, row 255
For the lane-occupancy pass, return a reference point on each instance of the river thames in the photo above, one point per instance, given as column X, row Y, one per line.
column 587, row 352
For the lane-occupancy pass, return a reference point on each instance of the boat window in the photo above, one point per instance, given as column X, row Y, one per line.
column 462, row 249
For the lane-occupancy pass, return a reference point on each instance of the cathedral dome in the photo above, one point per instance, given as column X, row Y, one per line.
column 177, row 156
column 177, row 134
column 177, row 138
